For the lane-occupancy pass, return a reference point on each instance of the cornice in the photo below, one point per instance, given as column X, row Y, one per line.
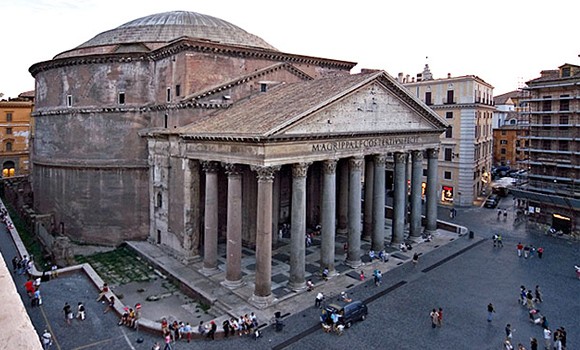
column 305, row 137
column 88, row 59
column 188, row 44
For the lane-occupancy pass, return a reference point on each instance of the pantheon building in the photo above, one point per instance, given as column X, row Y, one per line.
column 185, row 130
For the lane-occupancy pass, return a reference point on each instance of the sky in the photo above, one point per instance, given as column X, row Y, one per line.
column 506, row 43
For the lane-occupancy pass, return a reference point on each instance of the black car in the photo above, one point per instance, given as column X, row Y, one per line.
column 492, row 201
column 351, row 312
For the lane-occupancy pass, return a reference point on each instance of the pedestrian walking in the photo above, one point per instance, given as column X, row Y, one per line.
column 81, row 311
column 167, row 338
column 526, row 251
column 504, row 214
column 212, row 330
column 540, row 251
column 520, row 249
column 110, row 304
column 538, row 293
column 46, row 339
column 362, row 275
column 498, row 214
column 68, row 314
column 533, row 343
column 36, row 298
column 434, row 318
column 490, row 312
column 509, row 331
column 318, row 299
column 548, row 338
column 440, row 317
column 415, row 259
column 499, row 240
column 15, row 261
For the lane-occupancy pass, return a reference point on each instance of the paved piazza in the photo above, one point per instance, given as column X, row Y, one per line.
column 462, row 277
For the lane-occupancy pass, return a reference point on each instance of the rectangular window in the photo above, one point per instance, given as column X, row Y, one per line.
column 263, row 87
column 424, row 172
column 565, row 72
column 449, row 132
column 448, row 154
column 178, row 90
column 564, row 120
column 503, row 132
column 9, row 116
column 563, row 146
column 168, row 94
column 166, row 117
column 69, row 100
column 450, row 97
column 428, row 98
column 121, row 98
column 447, row 175
column 503, row 142
column 8, row 131
column 449, row 115
column 565, row 104
column 503, row 151
column 547, row 104
column 546, row 119
column 546, row 145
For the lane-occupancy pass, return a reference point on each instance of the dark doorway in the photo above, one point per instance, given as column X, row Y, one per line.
column 562, row 223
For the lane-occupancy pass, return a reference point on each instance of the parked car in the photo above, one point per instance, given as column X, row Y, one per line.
column 501, row 191
column 492, row 201
column 351, row 312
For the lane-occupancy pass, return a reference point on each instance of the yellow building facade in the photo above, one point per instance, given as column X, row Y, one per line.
column 15, row 129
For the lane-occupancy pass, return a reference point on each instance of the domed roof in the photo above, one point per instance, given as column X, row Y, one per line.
column 168, row 26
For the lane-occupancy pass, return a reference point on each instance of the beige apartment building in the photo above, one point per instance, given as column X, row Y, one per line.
column 466, row 103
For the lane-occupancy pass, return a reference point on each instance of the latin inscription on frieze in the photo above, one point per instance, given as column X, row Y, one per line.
column 363, row 144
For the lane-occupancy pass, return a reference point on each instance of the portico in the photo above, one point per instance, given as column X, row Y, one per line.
column 352, row 125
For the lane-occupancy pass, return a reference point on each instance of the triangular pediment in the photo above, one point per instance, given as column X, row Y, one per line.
column 372, row 108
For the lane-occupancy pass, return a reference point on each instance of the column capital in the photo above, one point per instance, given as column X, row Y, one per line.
column 433, row 153
column 417, row 155
column 210, row 166
column 300, row 169
column 400, row 157
column 232, row 169
column 380, row 159
column 265, row 173
column 329, row 166
column 356, row 163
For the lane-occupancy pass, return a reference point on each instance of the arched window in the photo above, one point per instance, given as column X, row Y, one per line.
column 159, row 200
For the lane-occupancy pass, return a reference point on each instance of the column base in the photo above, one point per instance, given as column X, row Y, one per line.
column 262, row 302
column 233, row 284
column 430, row 232
column 354, row 264
column 342, row 231
column 297, row 286
column 209, row 271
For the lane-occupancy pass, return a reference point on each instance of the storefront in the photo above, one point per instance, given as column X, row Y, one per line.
column 446, row 194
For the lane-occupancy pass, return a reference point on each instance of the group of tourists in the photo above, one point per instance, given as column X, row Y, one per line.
column 332, row 321
column 528, row 251
column 552, row 340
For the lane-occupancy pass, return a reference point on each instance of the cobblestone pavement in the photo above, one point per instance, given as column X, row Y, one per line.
column 462, row 277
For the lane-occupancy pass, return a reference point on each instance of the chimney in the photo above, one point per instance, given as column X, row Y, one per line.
column 408, row 79
column 448, row 75
column 400, row 77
